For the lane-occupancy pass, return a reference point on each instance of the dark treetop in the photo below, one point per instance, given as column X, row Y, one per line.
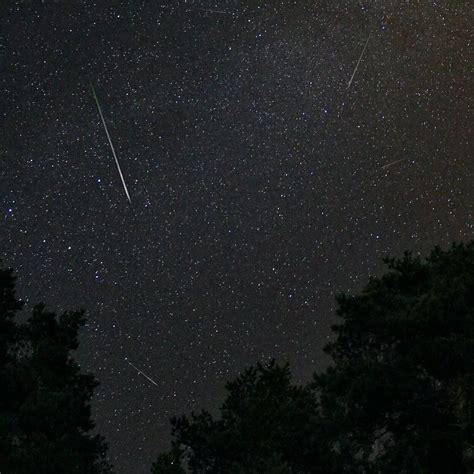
column 260, row 183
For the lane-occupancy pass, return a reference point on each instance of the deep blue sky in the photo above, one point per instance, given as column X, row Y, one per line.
column 261, row 184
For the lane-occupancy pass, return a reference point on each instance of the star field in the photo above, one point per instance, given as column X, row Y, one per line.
column 260, row 183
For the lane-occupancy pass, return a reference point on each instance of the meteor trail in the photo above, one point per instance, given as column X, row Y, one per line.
column 393, row 163
column 111, row 145
column 140, row 372
column 358, row 62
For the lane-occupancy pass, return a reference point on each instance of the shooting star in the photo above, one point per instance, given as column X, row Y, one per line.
column 140, row 372
column 393, row 163
column 358, row 62
column 111, row 145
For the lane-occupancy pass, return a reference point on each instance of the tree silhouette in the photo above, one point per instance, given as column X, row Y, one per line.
column 168, row 463
column 398, row 398
column 264, row 424
column 45, row 415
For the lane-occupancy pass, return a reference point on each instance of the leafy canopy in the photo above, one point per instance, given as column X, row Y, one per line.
column 45, row 414
column 398, row 398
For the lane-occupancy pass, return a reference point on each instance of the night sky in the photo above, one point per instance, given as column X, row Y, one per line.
column 261, row 182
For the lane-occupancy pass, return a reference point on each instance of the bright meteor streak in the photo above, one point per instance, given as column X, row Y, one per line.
column 140, row 372
column 111, row 145
column 358, row 62
column 393, row 163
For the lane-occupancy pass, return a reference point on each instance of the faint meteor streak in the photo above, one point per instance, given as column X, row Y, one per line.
column 358, row 62
column 110, row 143
column 140, row 372
column 393, row 163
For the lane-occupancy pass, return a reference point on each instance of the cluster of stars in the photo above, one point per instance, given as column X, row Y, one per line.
column 274, row 153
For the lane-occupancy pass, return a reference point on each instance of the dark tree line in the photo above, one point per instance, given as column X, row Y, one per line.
column 45, row 415
column 398, row 397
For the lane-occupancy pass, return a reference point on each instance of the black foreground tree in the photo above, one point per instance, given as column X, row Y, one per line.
column 398, row 399
column 400, row 396
column 264, row 426
column 45, row 415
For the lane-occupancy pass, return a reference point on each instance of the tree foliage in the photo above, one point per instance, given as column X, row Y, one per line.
column 398, row 398
column 45, row 414
column 264, row 422
column 168, row 463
